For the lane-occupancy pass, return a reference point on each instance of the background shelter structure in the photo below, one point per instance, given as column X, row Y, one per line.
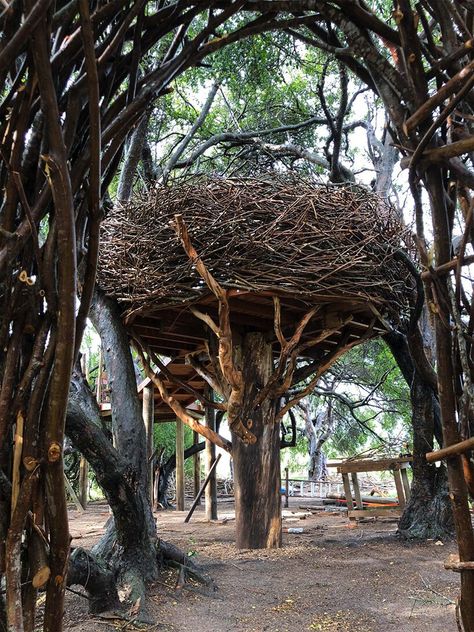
column 261, row 285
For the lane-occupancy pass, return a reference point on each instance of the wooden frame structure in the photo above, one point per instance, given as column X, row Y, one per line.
column 180, row 380
column 397, row 465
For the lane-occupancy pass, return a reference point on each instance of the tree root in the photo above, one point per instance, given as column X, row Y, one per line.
column 174, row 557
column 87, row 570
column 117, row 588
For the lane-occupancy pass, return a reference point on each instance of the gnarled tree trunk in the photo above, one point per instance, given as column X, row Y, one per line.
column 257, row 466
column 428, row 513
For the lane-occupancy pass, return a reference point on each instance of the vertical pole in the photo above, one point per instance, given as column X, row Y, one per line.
column 83, row 482
column 406, row 483
column 355, row 484
column 197, row 468
column 98, row 389
column 287, row 485
column 211, row 489
column 179, row 465
column 148, row 408
column 348, row 492
column 400, row 490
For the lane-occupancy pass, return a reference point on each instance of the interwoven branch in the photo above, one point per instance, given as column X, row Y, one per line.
column 224, row 335
column 279, row 236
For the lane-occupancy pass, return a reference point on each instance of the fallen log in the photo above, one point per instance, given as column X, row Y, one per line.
column 378, row 500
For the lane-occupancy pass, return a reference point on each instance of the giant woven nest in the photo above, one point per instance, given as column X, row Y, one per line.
column 291, row 238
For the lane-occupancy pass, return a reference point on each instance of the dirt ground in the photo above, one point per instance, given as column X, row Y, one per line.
column 333, row 577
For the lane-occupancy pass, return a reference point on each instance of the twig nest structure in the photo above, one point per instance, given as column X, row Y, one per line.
column 318, row 244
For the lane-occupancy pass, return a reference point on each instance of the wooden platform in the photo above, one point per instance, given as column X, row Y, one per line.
column 184, row 374
column 174, row 330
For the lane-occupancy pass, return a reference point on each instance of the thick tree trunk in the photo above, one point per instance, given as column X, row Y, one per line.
column 257, row 466
column 168, row 468
column 428, row 513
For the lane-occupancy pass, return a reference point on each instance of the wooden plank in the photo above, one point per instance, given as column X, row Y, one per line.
column 179, row 465
column 374, row 513
column 369, row 465
column 347, row 491
column 400, row 491
column 355, row 485
column 406, row 484
column 450, row 450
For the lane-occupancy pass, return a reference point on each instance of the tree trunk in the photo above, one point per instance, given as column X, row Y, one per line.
column 257, row 466
column 168, row 468
column 428, row 513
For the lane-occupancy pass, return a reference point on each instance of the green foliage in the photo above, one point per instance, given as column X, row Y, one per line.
column 164, row 436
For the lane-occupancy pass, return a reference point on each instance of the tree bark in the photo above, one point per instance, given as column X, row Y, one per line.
column 257, row 466
column 428, row 513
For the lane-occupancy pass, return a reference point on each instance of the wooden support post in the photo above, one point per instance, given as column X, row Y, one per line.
column 200, row 491
column 348, row 492
column 179, row 465
column 287, row 484
column 148, row 411
column 211, row 489
column 83, row 482
column 73, row 494
column 399, row 486
column 355, row 483
column 98, row 388
column 197, row 469
column 406, row 483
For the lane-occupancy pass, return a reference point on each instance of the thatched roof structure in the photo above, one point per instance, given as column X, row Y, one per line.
column 287, row 237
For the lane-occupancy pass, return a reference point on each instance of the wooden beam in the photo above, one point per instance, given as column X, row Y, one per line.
column 453, row 564
column 197, row 500
column 197, row 468
column 370, row 465
column 400, row 490
column 450, row 450
column 406, row 484
column 148, row 403
column 179, row 465
column 211, row 489
column 355, row 484
column 347, row 491
column 73, row 494
column 374, row 513
column 83, row 482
